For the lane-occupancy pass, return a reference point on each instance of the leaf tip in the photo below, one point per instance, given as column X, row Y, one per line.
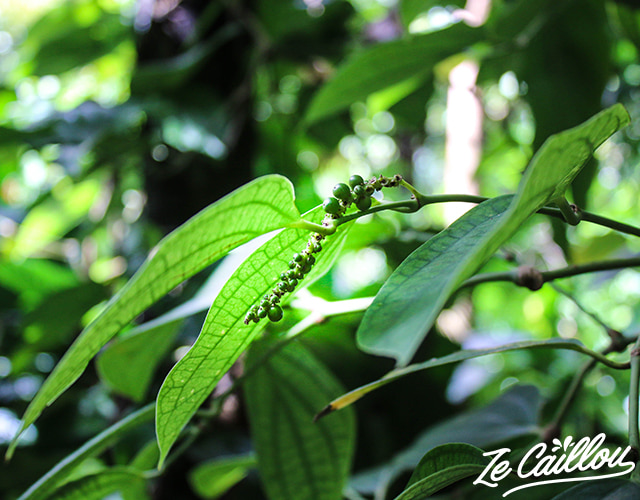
column 324, row 412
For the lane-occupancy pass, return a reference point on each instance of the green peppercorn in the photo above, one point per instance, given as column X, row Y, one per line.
column 291, row 274
column 359, row 191
column 265, row 304
column 331, row 206
column 293, row 283
column 292, row 264
column 311, row 260
column 342, row 192
column 283, row 286
column 355, row 180
column 369, row 189
column 262, row 312
column 275, row 313
column 364, row 203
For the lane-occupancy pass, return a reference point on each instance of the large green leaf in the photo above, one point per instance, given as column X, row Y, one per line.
column 387, row 64
column 606, row 489
column 224, row 335
column 127, row 364
column 256, row 208
column 553, row 343
column 297, row 457
column 443, row 466
column 47, row 483
column 213, row 478
column 409, row 302
column 512, row 415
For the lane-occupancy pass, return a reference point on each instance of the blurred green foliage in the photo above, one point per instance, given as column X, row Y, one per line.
column 119, row 120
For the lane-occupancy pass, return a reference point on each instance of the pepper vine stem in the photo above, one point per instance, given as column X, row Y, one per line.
column 420, row 200
column 515, row 275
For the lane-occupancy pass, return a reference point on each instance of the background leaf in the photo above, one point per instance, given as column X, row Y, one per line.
column 128, row 482
column 47, row 483
column 213, row 478
column 441, row 467
column 297, row 457
column 256, row 208
column 128, row 363
column 224, row 335
column 605, row 489
column 409, row 302
column 387, row 64
column 514, row 414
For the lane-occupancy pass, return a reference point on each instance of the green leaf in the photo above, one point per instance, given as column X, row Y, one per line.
column 512, row 415
column 224, row 335
column 254, row 209
column 47, row 483
column 605, row 489
column 387, row 64
column 553, row 343
column 409, row 302
column 128, row 482
column 297, row 457
column 443, row 466
column 127, row 364
column 213, row 478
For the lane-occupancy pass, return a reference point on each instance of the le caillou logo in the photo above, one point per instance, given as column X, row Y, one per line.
column 543, row 466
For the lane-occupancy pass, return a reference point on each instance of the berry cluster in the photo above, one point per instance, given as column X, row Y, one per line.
column 299, row 266
column 360, row 193
column 335, row 207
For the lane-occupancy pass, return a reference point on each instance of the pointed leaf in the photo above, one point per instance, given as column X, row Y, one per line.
column 409, row 302
column 254, row 209
column 213, row 478
column 46, row 484
column 387, row 64
column 553, row 343
column 297, row 457
column 224, row 335
column 512, row 415
column 127, row 365
column 443, row 466
column 130, row 483
column 605, row 489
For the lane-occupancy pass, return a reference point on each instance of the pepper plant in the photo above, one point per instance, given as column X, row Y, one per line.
column 303, row 427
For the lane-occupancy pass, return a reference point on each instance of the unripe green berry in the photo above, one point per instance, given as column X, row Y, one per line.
column 297, row 257
column 262, row 312
column 359, row 191
column 331, row 206
column 291, row 274
column 292, row 264
column 311, row 260
column 355, row 180
column 283, row 286
column 293, row 283
column 265, row 304
column 342, row 192
column 364, row 203
column 275, row 313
